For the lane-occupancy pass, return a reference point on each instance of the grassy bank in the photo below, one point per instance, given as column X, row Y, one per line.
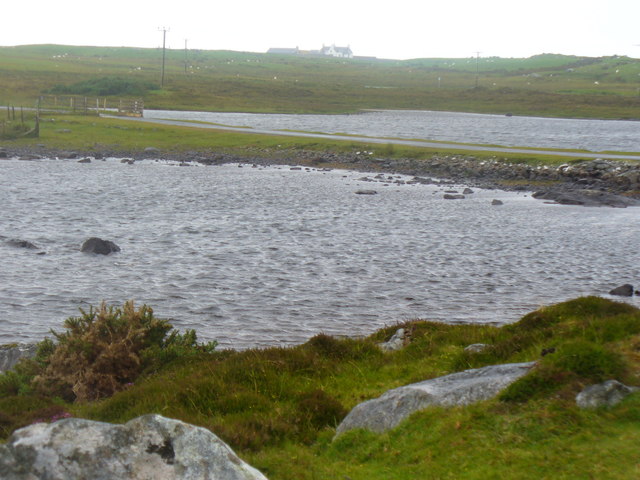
column 278, row 407
column 543, row 85
column 97, row 135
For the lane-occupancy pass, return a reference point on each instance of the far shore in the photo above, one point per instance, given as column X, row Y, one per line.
column 599, row 175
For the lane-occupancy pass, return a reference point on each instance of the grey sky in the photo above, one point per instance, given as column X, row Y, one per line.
column 400, row 29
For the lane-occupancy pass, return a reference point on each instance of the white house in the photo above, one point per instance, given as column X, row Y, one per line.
column 340, row 52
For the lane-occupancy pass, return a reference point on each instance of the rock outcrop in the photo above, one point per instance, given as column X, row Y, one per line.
column 12, row 353
column 606, row 394
column 462, row 388
column 587, row 198
column 99, row 246
column 396, row 342
column 150, row 447
column 476, row 347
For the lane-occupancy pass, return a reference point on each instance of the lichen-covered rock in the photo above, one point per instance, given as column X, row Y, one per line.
column 606, row 394
column 150, row 447
column 462, row 388
column 476, row 347
column 396, row 342
column 12, row 353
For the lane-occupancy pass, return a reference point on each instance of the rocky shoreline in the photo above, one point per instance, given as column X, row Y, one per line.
column 596, row 182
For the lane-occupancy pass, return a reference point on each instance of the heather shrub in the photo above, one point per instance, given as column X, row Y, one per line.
column 104, row 350
column 319, row 409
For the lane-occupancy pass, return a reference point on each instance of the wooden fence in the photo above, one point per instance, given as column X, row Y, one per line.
column 90, row 105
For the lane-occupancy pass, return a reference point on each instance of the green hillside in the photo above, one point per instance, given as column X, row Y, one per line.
column 547, row 85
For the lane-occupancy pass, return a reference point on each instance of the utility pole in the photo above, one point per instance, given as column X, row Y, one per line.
column 164, row 31
column 638, row 45
column 477, row 67
column 185, row 56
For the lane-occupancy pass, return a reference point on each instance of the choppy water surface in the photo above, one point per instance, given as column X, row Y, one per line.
column 273, row 256
column 475, row 128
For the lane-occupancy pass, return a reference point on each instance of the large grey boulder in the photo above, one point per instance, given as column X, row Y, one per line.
column 606, row 394
column 99, row 246
column 12, row 353
column 462, row 388
column 150, row 447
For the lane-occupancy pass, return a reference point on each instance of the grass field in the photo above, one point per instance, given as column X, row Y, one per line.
column 545, row 85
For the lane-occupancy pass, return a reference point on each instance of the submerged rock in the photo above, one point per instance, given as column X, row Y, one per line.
column 99, row 246
column 625, row 290
column 453, row 196
column 462, row 388
column 366, row 192
column 14, row 242
column 148, row 447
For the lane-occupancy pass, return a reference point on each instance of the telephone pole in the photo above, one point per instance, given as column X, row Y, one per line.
column 164, row 31
column 477, row 67
column 185, row 56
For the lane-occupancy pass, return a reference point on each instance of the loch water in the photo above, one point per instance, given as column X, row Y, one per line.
column 273, row 255
column 475, row 128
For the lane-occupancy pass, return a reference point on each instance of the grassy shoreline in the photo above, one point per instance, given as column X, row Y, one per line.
column 278, row 407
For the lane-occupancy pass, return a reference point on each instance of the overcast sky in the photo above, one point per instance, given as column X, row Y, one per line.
column 386, row 29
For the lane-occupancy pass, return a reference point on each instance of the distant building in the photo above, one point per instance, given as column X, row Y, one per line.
column 330, row 51
column 340, row 52
column 284, row 51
